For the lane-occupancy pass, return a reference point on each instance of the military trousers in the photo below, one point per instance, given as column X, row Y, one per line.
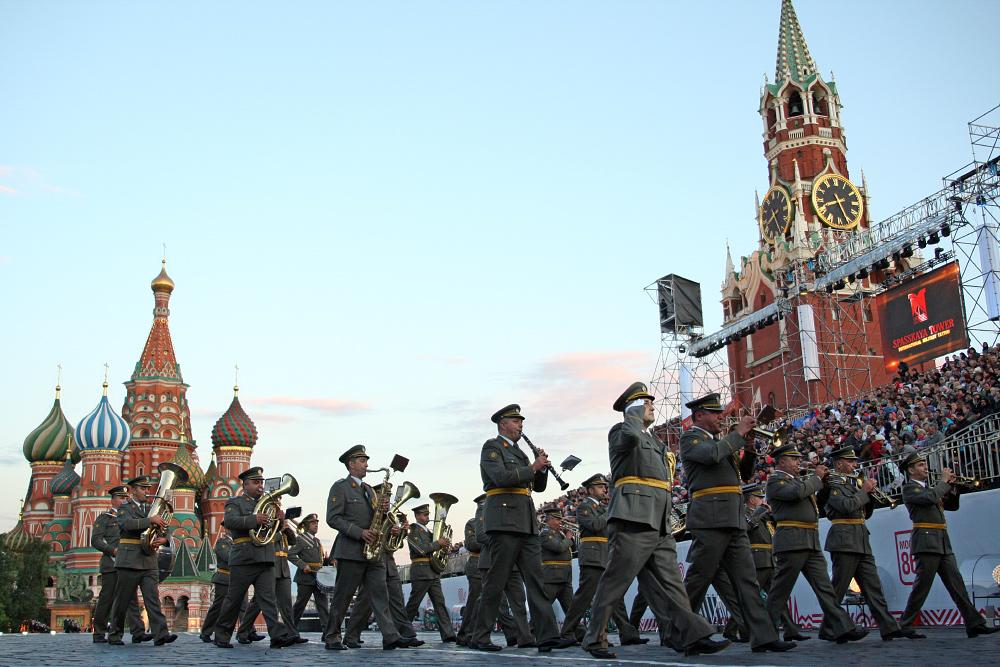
column 736, row 626
column 765, row 576
column 810, row 564
column 582, row 599
column 946, row 567
column 430, row 587
column 728, row 550
column 506, row 551
column 241, row 578
column 513, row 624
column 306, row 591
column 283, row 601
column 212, row 615
column 636, row 550
column 358, row 621
column 847, row 566
column 351, row 574
column 105, row 607
column 147, row 581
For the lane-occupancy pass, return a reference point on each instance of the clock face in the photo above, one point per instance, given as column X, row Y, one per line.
column 775, row 214
column 837, row 202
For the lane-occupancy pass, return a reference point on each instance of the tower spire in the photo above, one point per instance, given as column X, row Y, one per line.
column 794, row 61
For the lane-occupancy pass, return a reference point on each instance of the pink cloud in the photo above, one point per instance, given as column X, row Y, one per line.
column 7, row 190
column 329, row 406
column 586, row 381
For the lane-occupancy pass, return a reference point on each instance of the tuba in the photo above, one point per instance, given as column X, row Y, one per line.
column 391, row 543
column 268, row 504
column 171, row 475
column 442, row 502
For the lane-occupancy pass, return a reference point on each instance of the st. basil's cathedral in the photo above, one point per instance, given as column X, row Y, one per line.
column 62, row 504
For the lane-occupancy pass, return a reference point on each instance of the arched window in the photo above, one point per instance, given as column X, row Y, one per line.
column 820, row 107
column 794, row 104
column 772, row 117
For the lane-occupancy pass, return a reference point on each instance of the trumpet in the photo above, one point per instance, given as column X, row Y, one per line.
column 773, row 438
column 878, row 495
column 967, row 482
column 570, row 526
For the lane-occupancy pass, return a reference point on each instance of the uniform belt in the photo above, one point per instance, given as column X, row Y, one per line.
column 222, row 570
column 420, row 560
column 241, row 540
column 593, row 539
column 847, row 522
column 644, row 481
column 761, row 546
column 315, row 564
column 797, row 524
column 283, row 554
column 129, row 540
column 521, row 491
column 473, row 553
column 716, row 489
column 939, row 526
column 556, row 562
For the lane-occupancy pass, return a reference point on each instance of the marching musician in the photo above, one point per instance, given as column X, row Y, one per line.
column 282, row 593
column 509, row 477
column 350, row 511
column 423, row 579
column 931, row 545
column 848, row 505
column 716, row 518
column 220, row 582
column 592, row 518
column 394, row 587
column 104, row 538
column 250, row 564
column 639, row 534
column 557, row 559
column 136, row 568
column 308, row 557
column 796, row 544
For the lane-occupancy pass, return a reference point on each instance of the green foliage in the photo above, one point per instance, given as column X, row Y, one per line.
column 23, row 576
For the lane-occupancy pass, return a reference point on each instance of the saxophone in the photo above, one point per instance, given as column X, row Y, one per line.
column 171, row 475
column 380, row 522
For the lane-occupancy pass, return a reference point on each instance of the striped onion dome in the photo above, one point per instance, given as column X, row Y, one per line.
column 65, row 480
column 183, row 458
column 234, row 428
column 48, row 442
column 17, row 539
column 103, row 428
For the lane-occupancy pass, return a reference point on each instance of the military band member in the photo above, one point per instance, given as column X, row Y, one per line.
column 716, row 517
column 250, row 564
column 796, row 544
column 931, row 545
column 104, row 538
column 308, row 557
column 136, row 568
column 848, row 505
column 592, row 518
column 639, row 536
column 557, row 559
column 220, row 581
column 509, row 477
column 350, row 512
column 423, row 579
column 282, row 594
column 394, row 587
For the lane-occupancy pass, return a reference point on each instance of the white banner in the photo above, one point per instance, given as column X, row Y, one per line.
column 807, row 338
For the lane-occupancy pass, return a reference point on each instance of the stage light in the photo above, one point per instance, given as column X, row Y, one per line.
column 907, row 250
column 884, row 263
column 921, row 241
column 851, row 278
column 933, row 238
column 841, row 284
column 863, row 273
column 938, row 252
column 946, row 229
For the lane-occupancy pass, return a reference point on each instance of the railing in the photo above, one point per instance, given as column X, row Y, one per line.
column 972, row 452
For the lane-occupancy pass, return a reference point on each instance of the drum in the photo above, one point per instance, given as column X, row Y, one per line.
column 326, row 578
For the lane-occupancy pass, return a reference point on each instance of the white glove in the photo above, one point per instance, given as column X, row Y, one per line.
column 637, row 403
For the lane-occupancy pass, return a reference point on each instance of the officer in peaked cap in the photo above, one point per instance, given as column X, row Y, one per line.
column 355, row 452
column 512, row 411
column 636, row 391
column 308, row 556
column 252, row 473
column 104, row 537
column 557, row 558
column 142, row 481
column 595, row 480
column 716, row 518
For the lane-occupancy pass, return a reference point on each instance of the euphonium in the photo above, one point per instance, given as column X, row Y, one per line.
column 442, row 502
column 171, row 474
column 408, row 491
column 268, row 504
column 373, row 551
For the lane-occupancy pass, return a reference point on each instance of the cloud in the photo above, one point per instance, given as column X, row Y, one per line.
column 576, row 383
column 28, row 181
column 7, row 190
column 327, row 406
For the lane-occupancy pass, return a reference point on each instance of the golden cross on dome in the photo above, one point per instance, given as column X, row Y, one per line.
column 107, row 369
column 58, row 374
column 164, row 253
column 236, row 377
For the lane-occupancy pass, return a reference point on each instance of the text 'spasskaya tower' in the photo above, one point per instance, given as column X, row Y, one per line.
column 827, row 345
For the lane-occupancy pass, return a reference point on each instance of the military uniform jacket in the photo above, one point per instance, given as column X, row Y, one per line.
column 132, row 520
column 557, row 557
column 349, row 511
column 714, row 472
column 846, row 502
column 505, row 466
column 284, row 541
column 592, row 517
column 793, row 499
column 421, row 544
column 639, row 475
column 240, row 518
column 472, row 544
column 925, row 505
column 223, row 547
column 104, row 538
column 308, row 550
column 760, row 531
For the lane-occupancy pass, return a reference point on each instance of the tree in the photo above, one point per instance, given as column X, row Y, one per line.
column 23, row 576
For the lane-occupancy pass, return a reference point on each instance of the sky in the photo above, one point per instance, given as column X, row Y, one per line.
column 398, row 217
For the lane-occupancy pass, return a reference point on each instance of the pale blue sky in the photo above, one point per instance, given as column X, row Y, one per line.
column 429, row 209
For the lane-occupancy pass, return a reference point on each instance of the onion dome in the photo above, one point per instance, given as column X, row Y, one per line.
column 162, row 282
column 103, row 428
column 18, row 538
column 234, row 428
column 65, row 480
column 50, row 439
column 183, row 458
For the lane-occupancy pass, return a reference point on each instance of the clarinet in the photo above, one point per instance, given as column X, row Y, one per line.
column 549, row 469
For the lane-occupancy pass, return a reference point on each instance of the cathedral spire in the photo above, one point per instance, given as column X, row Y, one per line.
column 158, row 359
column 794, row 61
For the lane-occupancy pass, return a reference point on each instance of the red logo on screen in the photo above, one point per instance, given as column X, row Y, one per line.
column 918, row 305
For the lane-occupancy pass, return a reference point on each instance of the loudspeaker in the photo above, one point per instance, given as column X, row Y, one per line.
column 680, row 303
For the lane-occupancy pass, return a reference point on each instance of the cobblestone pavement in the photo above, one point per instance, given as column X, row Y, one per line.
column 949, row 645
